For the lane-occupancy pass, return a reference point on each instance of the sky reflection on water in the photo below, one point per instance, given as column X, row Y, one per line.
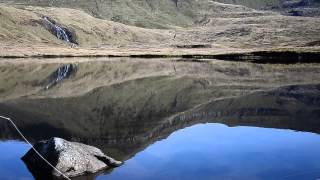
column 206, row 151
column 215, row 151
column 11, row 166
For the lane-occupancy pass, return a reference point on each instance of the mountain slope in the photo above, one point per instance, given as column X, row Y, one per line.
column 27, row 26
column 257, row 4
column 145, row 13
column 92, row 25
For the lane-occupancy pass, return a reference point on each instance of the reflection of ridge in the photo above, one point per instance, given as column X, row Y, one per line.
column 291, row 107
column 123, row 135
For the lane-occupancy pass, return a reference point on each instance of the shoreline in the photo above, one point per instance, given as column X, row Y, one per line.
column 285, row 55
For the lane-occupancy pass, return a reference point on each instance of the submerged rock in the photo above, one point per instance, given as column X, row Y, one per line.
column 71, row 158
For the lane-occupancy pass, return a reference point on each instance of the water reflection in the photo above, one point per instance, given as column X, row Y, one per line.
column 11, row 167
column 215, row 151
column 125, row 118
column 123, row 122
column 206, row 151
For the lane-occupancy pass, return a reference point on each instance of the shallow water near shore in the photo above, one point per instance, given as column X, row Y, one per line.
column 206, row 151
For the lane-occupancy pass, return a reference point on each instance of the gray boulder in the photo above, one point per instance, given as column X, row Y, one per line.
column 71, row 158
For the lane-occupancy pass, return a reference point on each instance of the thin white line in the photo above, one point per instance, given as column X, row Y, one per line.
column 14, row 125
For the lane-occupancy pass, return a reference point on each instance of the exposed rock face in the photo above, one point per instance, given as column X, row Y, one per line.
column 70, row 158
column 60, row 32
column 301, row 7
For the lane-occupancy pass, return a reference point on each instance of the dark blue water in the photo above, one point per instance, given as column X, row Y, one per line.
column 206, row 151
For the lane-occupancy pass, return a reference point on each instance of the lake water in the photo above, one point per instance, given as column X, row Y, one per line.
column 167, row 118
column 205, row 151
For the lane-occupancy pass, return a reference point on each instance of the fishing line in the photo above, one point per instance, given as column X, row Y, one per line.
column 26, row 140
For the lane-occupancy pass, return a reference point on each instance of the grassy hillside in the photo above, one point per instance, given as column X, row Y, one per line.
column 188, row 22
column 26, row 26
column 144, row 13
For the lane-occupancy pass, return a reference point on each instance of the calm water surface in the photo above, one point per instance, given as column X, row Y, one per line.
column 11, row 166
column 206, row 151
column 161, row 116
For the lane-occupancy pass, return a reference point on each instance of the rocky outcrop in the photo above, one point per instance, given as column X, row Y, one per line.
column 58, row 31
column 70, row 158
column 301, row 8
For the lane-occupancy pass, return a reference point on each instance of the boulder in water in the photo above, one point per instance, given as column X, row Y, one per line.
column 71, row 158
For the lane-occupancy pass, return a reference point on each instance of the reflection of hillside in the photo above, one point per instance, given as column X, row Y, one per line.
column 119, row 117
column 290, row 107
column 125, row 118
